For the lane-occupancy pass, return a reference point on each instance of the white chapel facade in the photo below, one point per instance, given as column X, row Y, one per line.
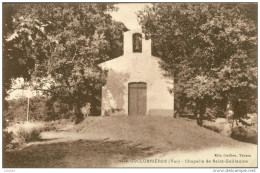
column 135, row 83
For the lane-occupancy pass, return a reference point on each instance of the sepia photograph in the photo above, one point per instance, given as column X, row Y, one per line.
column 130, row 85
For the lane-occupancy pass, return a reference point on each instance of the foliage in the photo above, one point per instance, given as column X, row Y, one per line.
column 61, row 44
column 41, row 109
column 28, row 131
column 7, row 139
column 18, row 109
column 7, row 136
column 26, row 135
column 210, row 49
column 242, row 129
column 246, row 134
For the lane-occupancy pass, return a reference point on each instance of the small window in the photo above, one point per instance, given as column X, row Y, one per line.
column 137, row 42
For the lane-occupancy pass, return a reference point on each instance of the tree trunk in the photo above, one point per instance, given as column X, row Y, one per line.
column 28, row 109
column 195, row 110
column 199, row 105
column 78, row 114
column 228, row 109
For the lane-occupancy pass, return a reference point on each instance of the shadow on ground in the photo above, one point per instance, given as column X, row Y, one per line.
column 104, row 141
column 76, row 154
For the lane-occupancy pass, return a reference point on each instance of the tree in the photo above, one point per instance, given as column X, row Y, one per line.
column 19, row 53
column 209, row 50
column 67, row 41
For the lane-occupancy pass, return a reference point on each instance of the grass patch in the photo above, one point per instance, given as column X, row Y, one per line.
column 216, row 126
column 75, row 154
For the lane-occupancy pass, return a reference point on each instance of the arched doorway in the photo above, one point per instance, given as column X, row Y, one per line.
column 137, row 98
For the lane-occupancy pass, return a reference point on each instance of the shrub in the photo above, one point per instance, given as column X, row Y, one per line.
column 7, row 139
column 49, row 127
column 29, row 131
column 245, row 133
column 28, row 135
column 7, row 136
column 215, row 111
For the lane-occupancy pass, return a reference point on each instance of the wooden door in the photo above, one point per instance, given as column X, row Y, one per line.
column 137, row 99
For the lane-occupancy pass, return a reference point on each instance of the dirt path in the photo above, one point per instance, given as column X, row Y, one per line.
column 126, row 142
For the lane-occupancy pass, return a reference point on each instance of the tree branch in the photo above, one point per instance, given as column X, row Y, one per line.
column 74, row 55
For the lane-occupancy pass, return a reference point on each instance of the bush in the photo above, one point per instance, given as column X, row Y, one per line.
column 245, row 133
column 28, row 131
column 7, row 139
column 7, row 136
column 28, row 135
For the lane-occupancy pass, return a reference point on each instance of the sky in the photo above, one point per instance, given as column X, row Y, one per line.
column 127, row 14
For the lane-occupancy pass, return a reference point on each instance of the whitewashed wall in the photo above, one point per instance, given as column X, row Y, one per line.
column 136, row 67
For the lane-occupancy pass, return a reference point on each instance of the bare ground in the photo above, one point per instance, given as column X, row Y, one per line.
column 106, row 141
